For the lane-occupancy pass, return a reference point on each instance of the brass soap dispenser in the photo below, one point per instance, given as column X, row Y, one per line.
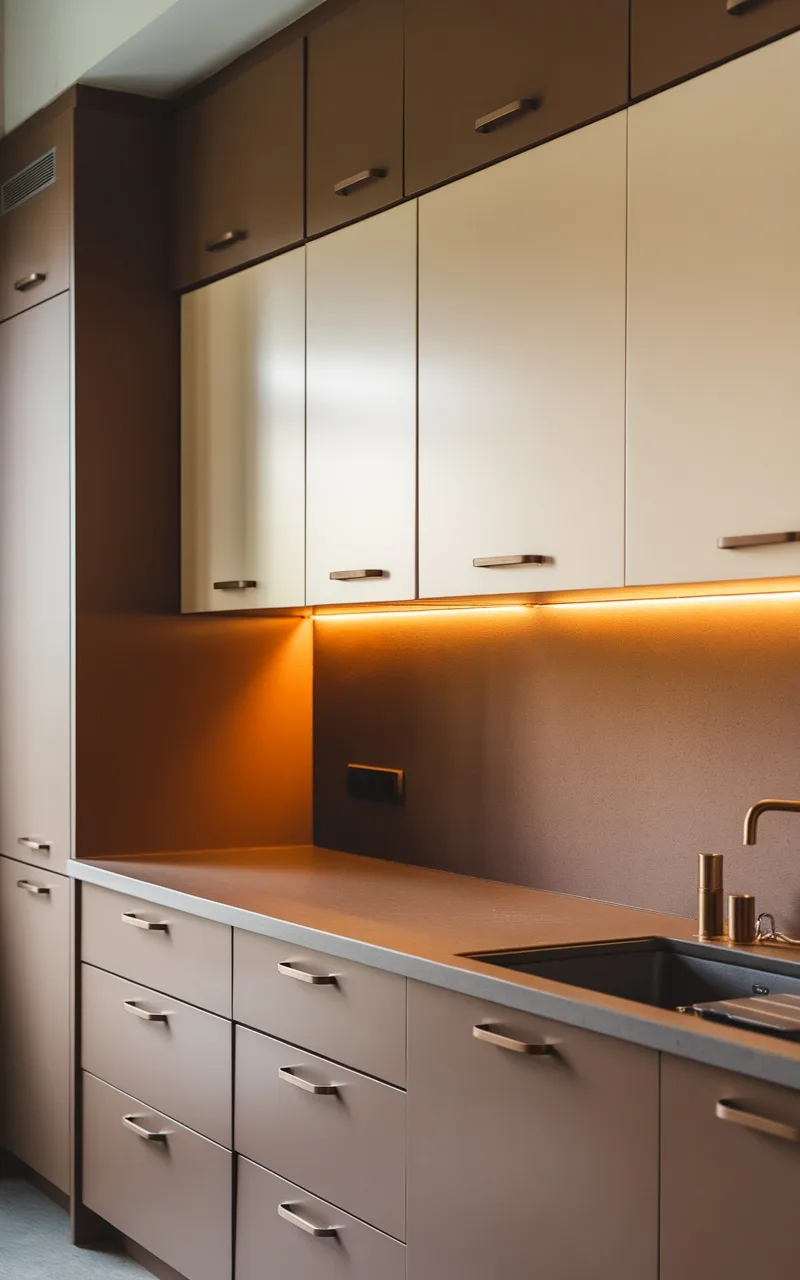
column 710, row 897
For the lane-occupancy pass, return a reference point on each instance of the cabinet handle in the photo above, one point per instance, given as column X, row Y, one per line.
column 733, row 1113
column 490, row 1035
column 289, row 1076
column 132, row 1007
column 504, row 115
column 290, row 970
column 152, row 926
column 735, row 7
column 289, row 1213
column 236, row 584
column 225, row 241
column 149, row 1135
column 35, row 890
column 351, row 575
column 756, row 540
column 347, row 185
column 502, row 562
column 38, row 846
column 30, row 281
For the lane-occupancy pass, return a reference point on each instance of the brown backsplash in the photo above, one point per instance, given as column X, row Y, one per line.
column 592, row 750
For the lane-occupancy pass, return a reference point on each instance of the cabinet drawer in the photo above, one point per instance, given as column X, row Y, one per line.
column 169, row 1054
column 467, row 60
column 172, row 1193
column 342, row 1010
column 344, row 1142
column 348, row 1250
column 182, row 955
column 674, row 38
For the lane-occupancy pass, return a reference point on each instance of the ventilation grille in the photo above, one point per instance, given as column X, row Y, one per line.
column 28, row 182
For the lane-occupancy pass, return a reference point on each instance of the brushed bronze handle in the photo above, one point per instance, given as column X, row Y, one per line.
column 225, row 241
column 152, row 926
column 289, row 1213
column 289, row 1076
column 502, row 562
column 38, row 846
column 149, row 1135
column 352, row 575
column 30, row 281
column 735, row 7
column 35, row 890
column 132, row 1007
column 236, row 584
column 505, row 115
column 491, row 1035
column 734, row 1113
column 756, row 540
column 356, row 180
column 291, row 970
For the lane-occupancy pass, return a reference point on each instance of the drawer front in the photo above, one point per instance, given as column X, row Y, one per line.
column 278, row 1221
column 674, row 38
column 355, row 1015
column 345, row 1142
column 169, row 1054
column 182, row 955
column 173, row 1195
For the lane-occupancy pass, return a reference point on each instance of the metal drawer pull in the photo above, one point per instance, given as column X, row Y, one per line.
column 504, row 115
column 28, row 282
column 501, row 562
column 152, row 926
column 734, row 1114
column 35, row 890
column 149, row 1135
column 38, row 846
column 347, row 185
column 290, row 970
column 236, row 584
column 735, row 7
column 490, row 1035
column 289, row 1076
column 132, row 1007
column 225, row 241
column 350, row 575
column 756, row 540
column 290, row 1214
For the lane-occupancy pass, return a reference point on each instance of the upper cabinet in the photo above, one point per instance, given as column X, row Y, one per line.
column 238, row 169
column 243, row 439
column 671, row 39
column 354, row 148
column 714, row 312
column 522, row 372
column 488, row 77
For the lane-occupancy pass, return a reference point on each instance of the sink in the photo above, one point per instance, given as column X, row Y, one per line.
column 663, row 972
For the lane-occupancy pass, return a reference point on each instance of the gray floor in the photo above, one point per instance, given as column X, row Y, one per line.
column 34, row 1242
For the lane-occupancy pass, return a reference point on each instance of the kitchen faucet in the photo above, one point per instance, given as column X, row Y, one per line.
column 765, row 806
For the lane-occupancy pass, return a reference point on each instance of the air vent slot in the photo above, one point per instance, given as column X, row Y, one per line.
column 28, row 182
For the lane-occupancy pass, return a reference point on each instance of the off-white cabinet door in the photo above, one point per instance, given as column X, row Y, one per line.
column 362, row 333
column 243, row 439
column 714, row 293
column 522, row 371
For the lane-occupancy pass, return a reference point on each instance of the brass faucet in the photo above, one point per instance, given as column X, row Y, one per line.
column 765, row 806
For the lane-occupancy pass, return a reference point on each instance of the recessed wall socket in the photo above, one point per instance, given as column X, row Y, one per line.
column 368, row 782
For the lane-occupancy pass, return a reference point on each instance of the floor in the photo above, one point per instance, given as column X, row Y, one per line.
column 34, row 1242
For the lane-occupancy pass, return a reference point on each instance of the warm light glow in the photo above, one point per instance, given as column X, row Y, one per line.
column 745, row 598
column 459, row 609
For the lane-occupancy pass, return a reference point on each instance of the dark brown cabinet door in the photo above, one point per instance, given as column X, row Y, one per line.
column 671, row 39
column 730, row 1174
column 355, row 114
column 532, row 1147
column 485, row 79
column 238, row 169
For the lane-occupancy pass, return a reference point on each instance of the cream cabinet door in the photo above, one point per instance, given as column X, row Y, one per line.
column 714, row 293
column 522, row 371
column 362, row 335
column 243, row 439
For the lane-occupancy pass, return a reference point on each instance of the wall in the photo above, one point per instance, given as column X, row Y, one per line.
column 591, row 750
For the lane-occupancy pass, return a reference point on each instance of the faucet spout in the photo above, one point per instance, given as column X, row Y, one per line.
column 765, row 806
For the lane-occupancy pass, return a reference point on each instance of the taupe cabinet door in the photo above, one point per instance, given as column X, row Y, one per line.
column 34, row 1019
column 522, row 1164
column 35, row 585
column 522, row 371
column 730, row 1174
column 714, row 313
column 243, row 439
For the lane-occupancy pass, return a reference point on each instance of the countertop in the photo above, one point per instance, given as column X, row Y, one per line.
column 419, row 923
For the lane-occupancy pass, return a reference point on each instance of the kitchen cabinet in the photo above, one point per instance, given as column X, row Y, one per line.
column 35, row 585
column 34, row 1019
column 522, row 372
column 671, row 39
column 714, row 306
column 243, row 439
column 361, row 411
column 730, row 1174
column 237, row 167
column 533, row 1146
column 485, row 79
column 354, row 148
